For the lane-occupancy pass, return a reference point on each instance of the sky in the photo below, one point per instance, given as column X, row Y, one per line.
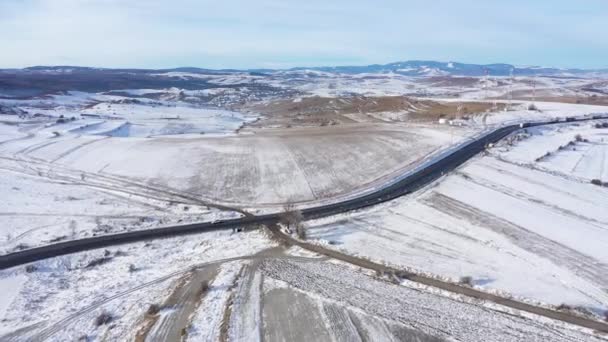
column 287, row 33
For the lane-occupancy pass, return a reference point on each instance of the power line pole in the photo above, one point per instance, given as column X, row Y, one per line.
column 534, row 90
column 510, row 89
column 485, row 83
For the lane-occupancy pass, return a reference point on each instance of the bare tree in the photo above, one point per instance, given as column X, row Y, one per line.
column 466, row 280
column 72, row 227
column 103, row 318
column 301, row 231
column 291, row 217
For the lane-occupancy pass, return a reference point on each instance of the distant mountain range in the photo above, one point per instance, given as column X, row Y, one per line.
column 407, row 68
column 434, row 68
column 38, row 80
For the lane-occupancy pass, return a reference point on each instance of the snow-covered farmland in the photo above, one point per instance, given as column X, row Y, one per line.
column 547, row 111
column 60, row 299
column 122, row 116
column 145, row 120
column 515, row 227
column 579, row 151
column 265, row 167
column 251, row 290
column 325, row 301
column 519, row 220
column 43, row 205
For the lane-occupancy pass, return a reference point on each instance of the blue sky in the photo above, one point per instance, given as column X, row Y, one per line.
column 287, row 33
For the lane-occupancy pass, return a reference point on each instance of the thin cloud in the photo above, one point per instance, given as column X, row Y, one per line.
column 243, row 34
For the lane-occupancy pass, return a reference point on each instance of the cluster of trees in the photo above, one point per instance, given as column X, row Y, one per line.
column 292, row 219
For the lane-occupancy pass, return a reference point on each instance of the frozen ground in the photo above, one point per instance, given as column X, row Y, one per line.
column 383, row 84
column 516, row 220
column 306, row 301
column 513, row 225
column 263, row 167
column 61, row 299
column 577, row 151
column 238, row 287
column 123, row 116
column 46, row 204
column 548, row 111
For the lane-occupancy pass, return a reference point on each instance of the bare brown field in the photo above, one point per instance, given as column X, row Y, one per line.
column 597, row 100
column 451, row 81
column 325, row 111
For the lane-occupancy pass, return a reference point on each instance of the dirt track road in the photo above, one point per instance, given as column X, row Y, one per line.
column 462, row 290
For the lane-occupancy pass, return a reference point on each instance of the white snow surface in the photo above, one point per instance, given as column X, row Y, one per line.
column 432, row 314
column 513, row 225
column 140, row 117
column 52, row 204
column 60, row 300
column 206, row 321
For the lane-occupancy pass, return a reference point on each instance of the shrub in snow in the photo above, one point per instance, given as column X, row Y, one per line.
column 120, row 253
column 103, row 318
column 578, row 137
column 403, row 274
column 132, row 268
column 30, row 268
column 204, row 287
column 564, row 307
column 301, row 231
column 466, row 280
column 98, row 261
column 532, row 107
column 290, row 216
column 153, row 309
column 21, row 247
column 546, row 155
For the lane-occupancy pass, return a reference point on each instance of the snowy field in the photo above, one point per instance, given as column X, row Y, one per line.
column 514, row 225
column 576, row 151
column 49, row 200
column 524, row 220
column 472, row 88
column 548, row 111
column 47, row 205
column 331, row 84
column 237, row 287
column 123, row 116
column 344, row 305
column 265, row 167
column 61, row 298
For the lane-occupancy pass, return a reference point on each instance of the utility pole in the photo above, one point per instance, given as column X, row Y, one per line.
column 510, row 89
column 485, row 83
column 494, row 106
column 534, row 90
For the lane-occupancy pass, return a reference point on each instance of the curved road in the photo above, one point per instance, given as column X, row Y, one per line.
column 425, row 174
column 410, row 182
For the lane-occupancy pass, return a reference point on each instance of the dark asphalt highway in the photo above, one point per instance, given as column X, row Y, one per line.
column 416, row 180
